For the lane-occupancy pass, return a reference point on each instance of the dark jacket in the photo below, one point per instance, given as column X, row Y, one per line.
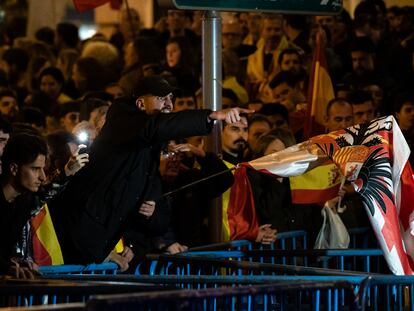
column 91, row 213
column 274, row 206
column 190, row 206
column 13, row 218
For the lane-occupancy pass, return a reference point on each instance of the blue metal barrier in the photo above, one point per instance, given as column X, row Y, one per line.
column 364, row 260
column 190, row 264
column 102, row 268
column 363, row 237
column 390, row 292
column 376, row 292
column 14, row 292
column 314, row 295
column 285, row 240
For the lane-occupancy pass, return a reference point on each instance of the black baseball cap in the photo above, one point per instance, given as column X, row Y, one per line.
column 153, row 85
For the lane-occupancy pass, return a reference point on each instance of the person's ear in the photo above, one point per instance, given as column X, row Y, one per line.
column 14, row 168
column 140, row 104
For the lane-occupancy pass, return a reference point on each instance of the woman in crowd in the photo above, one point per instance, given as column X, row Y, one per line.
column 177, row 63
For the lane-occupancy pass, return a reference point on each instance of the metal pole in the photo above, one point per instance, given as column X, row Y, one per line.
column 211, row 46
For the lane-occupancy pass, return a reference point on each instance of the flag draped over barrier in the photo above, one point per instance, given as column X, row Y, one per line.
column 374, row 158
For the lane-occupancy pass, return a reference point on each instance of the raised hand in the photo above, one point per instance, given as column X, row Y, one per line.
column 76, row 162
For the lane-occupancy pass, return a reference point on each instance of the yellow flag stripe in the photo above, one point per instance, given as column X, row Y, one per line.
column 321, row 177
column 119, row 247
column 324, row 92
column 225, row 230
column 47, row 236
column 343, row 155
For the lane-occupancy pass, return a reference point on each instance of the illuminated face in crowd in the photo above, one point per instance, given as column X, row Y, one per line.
column 29, row 176
column 234, row 137
column 8, row 106
column 184, row 103
column 339, row 116
column 231, row 35
column 290, row 62
column 405, row 116
column 272, row 30
column 286, row 95
column 50, row 86
column 362, row 62
column 154, row 104
column 70, row 120
column 173, row 54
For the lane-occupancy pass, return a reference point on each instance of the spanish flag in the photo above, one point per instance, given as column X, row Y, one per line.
column 317, row 186
column 320, row 90
column 314, row 179
column 46, row 247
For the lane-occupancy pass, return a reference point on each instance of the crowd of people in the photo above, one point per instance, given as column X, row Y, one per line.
column 98, row 131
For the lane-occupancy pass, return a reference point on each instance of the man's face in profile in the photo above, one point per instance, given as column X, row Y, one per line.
column 29, row 177
column 155, row 104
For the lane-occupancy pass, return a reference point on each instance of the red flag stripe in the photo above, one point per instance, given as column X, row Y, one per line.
column 242, row 211
column 307, row 196
column 41, row 255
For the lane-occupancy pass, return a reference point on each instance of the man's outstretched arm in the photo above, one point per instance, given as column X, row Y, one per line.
column 164, row 127
column 230, row 115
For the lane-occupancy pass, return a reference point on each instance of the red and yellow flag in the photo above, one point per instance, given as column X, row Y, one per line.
column 320, row 90
column 46, row 247
column 374, row 158
column 316, row 186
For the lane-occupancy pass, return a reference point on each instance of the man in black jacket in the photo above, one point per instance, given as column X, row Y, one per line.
column 92, row 212
column 23, row 165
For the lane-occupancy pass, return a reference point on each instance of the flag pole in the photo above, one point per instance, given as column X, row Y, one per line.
column 198, row 182
column 131, row 25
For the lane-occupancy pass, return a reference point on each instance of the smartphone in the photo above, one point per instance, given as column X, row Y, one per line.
column 84, row 149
